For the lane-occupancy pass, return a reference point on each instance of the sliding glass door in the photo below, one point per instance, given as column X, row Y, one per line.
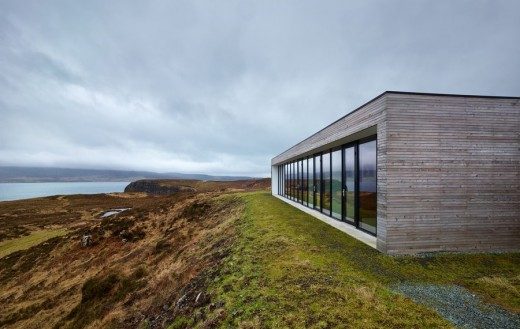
column 336, row 185
column 317, row 182
column 326, row 197
column 310, row 181
column 368, row 186
column 350, row 184
column 304, row 182
column 340, row 182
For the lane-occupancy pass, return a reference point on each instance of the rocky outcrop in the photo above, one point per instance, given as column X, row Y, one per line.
column 155, row 187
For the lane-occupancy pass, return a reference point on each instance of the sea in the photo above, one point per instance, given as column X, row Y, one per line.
column 18, row 191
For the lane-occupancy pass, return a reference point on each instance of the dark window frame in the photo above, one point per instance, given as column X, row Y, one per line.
column 293, row 175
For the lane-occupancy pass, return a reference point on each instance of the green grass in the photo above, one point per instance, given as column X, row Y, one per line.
column 25, row 242
column 288, row 269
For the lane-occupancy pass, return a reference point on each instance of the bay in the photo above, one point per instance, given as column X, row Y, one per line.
column 17, row 191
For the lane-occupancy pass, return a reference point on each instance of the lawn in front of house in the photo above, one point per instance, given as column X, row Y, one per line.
column 288, row 268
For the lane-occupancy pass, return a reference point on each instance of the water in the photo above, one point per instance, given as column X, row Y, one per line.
column 17, row 191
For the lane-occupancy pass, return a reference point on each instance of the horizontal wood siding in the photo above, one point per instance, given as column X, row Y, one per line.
column 448, row 170
column 452, row 173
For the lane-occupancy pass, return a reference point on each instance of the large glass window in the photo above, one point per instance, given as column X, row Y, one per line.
column 296, row 196
column 299, row 180
column 350, row 184
column 293, row 180
column 336, row 184
column 289, row 180
column 317, row 181
column 341, row 183
column 282, row 187
column 326, row 195
column 304, row 182
column 310, row 181
column 282, row 180
column 368, row 186
column 286, row 179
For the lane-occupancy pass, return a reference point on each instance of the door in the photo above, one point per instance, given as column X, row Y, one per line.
column 349, row 187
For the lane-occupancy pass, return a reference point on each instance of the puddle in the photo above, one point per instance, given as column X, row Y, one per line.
column 113, row 212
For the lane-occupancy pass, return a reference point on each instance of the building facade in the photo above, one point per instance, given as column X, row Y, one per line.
column 413, row 172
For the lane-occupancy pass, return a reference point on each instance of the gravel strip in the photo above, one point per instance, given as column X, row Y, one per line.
column 460, row 306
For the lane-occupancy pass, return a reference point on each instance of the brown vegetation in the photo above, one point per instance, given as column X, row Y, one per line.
column 145, row 266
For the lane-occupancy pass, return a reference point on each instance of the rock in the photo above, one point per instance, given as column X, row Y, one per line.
column 182, row 300
column 86, row 240
column 201, row 299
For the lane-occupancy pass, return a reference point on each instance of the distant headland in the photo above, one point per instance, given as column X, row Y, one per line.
column 12, row 174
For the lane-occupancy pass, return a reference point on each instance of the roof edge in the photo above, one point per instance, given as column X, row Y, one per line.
column 399, row 93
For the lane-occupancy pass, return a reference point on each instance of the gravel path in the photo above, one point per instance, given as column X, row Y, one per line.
column 460, row 306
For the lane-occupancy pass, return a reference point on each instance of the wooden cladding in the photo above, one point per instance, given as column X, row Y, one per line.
column 448, row 169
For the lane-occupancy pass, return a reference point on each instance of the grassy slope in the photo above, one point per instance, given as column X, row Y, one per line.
column 25, row 242
column 290, row 269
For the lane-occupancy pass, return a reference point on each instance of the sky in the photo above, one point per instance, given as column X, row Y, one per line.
column 221, row 87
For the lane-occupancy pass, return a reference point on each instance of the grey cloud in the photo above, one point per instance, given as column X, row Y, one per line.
column 221, row 87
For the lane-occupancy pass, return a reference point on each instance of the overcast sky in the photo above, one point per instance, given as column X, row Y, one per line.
column 220, row 87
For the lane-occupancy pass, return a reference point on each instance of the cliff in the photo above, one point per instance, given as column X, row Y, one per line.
column 156, row 187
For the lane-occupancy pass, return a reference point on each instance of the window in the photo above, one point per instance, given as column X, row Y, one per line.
column 300, row 180
column 289, row 180
column 341, row 183
column 293, row 179
column 310, row 181
column 350, row 184
column 286, row 180
column 326, row 196
column 317, row 182
column 368, row 186
column 304, row 182
column 336, row 184
column 296, row 197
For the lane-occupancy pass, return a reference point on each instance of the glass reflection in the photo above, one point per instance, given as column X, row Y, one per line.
column 310, row 182
column 336, row 184
column 317, row 181
column 326, row 196
column 368, row 186
column 350, row 185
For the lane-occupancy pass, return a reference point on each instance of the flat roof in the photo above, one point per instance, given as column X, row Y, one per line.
column 402, row 93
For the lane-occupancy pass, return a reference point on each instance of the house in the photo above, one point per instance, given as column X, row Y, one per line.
column 413, row 172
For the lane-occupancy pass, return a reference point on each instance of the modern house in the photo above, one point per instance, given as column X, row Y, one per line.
column 413, row 172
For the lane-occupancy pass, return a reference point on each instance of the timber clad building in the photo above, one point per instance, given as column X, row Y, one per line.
column 413, row 172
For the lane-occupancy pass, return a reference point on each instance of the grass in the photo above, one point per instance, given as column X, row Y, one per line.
column 288, row 269
column 25, row 242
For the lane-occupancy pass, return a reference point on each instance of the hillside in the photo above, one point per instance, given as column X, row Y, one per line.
column 226, row 255
column 10, row 174
column 171, row 186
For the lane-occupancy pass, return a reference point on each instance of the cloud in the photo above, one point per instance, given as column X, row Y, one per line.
column 221, row 87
